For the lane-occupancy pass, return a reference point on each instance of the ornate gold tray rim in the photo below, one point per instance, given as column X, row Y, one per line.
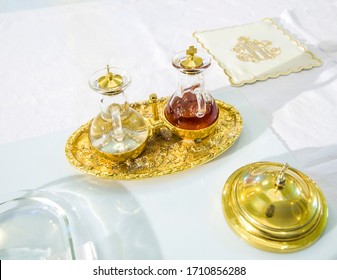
column 152, row 173
column 270, row 75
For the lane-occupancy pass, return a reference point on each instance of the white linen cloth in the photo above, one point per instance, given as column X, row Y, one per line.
column 256, row 51
column 46, row 56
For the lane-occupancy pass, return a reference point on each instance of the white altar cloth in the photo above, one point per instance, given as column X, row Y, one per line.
column 48, row 51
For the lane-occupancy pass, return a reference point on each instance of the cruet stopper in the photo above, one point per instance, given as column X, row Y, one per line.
column 191, row 61
column 110, row 80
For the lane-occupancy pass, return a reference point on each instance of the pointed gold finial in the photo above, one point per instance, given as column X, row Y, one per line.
column 153, row 102
column 192, row 61
column 281, row 179
column 110, row 80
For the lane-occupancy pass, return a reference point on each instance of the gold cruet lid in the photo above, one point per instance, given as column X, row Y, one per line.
column 110, row 80
column 191, row 61
column 274, row 207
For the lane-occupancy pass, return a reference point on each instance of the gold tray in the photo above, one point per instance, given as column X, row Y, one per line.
column 161, row 156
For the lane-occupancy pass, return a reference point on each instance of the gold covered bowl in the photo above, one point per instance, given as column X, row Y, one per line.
column 274, row 207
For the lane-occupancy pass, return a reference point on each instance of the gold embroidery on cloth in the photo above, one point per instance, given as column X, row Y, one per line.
column 249, row 50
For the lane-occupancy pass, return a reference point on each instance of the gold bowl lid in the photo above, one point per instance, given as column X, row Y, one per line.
column 274, row 207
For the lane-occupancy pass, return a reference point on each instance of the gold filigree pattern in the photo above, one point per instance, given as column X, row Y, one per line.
column 161, row 155
column 251, row 50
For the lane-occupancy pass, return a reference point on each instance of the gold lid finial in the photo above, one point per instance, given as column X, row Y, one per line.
column 281, row 180
column 192, row 61
column 110, row 80
column 191, row 50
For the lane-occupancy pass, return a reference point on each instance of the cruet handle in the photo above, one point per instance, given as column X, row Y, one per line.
column 117, row 131
column 201, row 111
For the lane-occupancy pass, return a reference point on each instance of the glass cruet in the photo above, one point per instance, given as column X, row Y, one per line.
column 191, row 107
column 118, row 131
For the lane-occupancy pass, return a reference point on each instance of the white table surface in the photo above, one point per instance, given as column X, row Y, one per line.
column 48, row 50
column 177, row 216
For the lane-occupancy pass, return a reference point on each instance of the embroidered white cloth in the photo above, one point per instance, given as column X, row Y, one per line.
column 256, row 51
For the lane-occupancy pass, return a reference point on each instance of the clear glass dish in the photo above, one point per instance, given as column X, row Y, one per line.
column 76, row 217
column 40, row 225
